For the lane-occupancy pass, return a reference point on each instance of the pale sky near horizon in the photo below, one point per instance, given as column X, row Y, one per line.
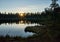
column 24, row 5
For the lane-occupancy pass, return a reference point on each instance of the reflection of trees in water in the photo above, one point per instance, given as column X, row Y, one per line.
column 19, row 21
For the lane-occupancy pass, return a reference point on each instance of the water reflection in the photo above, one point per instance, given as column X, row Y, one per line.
column 16, row 28
column 25, row 22
column 19, row 22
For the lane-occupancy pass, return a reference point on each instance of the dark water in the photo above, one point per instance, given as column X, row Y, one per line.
column 16, row 29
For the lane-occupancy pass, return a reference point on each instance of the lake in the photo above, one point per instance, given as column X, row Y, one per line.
column 16, row 29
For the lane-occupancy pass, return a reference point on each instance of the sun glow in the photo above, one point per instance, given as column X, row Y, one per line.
column 21, row 14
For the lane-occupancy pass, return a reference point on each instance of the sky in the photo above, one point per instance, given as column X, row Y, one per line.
column 19, row 6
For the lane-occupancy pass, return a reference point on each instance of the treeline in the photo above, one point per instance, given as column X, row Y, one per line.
column 8, row 16
column 45, row 16
column 17, row 17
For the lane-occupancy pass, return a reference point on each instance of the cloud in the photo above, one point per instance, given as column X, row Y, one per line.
column 30, row 8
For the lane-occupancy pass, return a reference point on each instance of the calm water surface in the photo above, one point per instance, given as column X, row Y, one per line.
column 15, row 29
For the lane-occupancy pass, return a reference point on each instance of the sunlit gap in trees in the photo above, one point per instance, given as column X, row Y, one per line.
column 22, row 14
